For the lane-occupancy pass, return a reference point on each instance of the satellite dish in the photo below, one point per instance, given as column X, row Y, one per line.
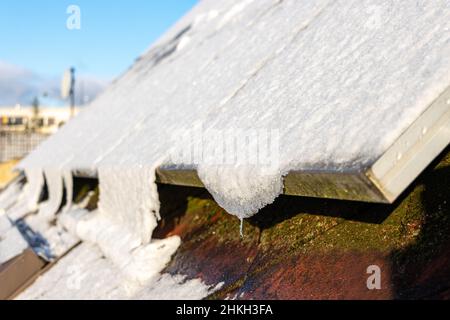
column 66, row 84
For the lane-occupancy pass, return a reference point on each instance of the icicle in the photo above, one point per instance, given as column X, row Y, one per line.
column 123, row 225
column 242, row 228
column 28, row 200
column 54, row 182
column 137, row 262
column 241, row 190
column 129, row 197
column 68, row 183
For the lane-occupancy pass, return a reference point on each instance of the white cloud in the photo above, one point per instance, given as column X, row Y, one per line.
column 20, row 85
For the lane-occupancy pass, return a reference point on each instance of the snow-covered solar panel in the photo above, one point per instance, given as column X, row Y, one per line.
column 342, row 99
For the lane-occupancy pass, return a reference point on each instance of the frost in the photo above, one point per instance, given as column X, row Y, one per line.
column 222, row 183
column 85, row 274
column 169, row 287
column 5, row 224
column 39, row 225
column 12, row 244
column 9, row 196
column 28, row 200
column 123, row 224
column 49, row 241
column 129, row 198
column 137, row 262
column 235, row 10
column 82, row 274
column 68, row 184
column 54, row 181
column 183, row 43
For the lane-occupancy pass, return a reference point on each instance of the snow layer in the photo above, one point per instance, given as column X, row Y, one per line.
column 12, row 244
column 169, row 287
column 49, row 240
column 86, row 274
column 138, row 262
column 9, row 196
column 129, row 198
column 338, row 80
column 5, row 224
column 82, row 274
column 27, row 201
column 38, row 224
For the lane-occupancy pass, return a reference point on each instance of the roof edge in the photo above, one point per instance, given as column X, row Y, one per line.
column 318, row 184
column 414, row 150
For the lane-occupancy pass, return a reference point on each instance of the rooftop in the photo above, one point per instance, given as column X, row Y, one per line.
column 252, row 99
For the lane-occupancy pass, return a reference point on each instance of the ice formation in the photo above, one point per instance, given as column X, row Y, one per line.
column 129, row 198
column 137, row 262
column 27, row 201
column 8, row 197
column 84, row 274
column 26, row 223
column 68, row 186
column 12, row 242
column 48, row 209
column 339, row 81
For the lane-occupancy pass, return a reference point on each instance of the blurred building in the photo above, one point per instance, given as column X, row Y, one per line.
column 23, row 128
column 45, row 120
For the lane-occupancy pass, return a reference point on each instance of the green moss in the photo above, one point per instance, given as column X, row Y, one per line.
column 427, row 217
column 81, row 189
column 292, row 234
column 414, row 228
column 214, row 221
column 82, row 193
column 93, row 201
column 203, row 209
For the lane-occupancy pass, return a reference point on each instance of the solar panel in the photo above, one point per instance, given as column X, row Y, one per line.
column 336, row 99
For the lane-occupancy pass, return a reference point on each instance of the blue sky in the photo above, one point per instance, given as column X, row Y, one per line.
column 113, row 33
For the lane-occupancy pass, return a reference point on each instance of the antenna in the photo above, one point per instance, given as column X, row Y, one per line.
column 68, row 88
